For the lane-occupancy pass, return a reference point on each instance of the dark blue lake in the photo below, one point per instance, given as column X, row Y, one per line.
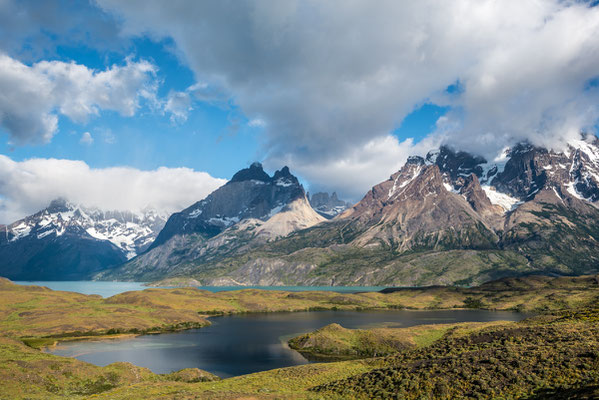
column 243, row 344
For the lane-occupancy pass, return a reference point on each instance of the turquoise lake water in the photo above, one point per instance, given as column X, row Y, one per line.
column 107, row 289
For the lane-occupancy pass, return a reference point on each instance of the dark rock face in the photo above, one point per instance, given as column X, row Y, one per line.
column 329, row 206
column 530, row 169
column 456, row 164
column 524, row 173
column 251, row 193
column 254, row 172
column 72, row 256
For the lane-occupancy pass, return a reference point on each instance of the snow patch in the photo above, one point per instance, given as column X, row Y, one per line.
column 20, row 231
column 44, row 234
column 507, row 202
column 415, row 174
column 226, row 221
column 283, row 182
column 571, row 188
column 587, row 148
column 195, row 213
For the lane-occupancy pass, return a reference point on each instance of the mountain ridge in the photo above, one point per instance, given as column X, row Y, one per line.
column 65, row 240
column 447, row 218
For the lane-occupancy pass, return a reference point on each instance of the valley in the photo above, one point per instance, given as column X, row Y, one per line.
column 564, row 306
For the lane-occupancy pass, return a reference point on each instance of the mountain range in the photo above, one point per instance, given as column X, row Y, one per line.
column 70, row 242
column 450, row 217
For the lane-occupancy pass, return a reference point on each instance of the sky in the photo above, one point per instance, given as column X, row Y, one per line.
column 127, row 105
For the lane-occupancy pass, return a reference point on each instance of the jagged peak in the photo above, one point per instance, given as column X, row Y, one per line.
column 253, row 172
column 521, row 148
column 59, row 204
column 283, row 173
column 415, row 160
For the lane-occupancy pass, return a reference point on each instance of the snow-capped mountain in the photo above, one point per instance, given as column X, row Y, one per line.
column 251, row 209
column 449, row 217
column 517, row 174
column 74, row 235
column 130, row 231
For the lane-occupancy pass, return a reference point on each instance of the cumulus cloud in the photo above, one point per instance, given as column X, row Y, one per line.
column 29, row 186
column 178, row 104
column 33, row 96
column 86, row 139
column 331, row 77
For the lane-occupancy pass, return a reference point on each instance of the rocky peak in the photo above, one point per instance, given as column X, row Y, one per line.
column 426, row 183
column 327, row 205
column 530, row 169
column 59, row 205
column 251, row 193
column 415, row 160
column 283, row 177
column 253, row 172
column 525, row 173
column 456, row 164
column 477, row 197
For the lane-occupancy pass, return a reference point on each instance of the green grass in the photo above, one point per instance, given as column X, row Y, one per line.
column 557, row 352
column 336, row 342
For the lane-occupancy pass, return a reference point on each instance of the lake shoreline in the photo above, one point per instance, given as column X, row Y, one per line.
column 255, row 342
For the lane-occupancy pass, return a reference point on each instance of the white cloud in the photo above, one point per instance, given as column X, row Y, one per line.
column 257, row 123
column 29, row 186
column 330, row 77
column 178, row 104
column 357, row 171
column 33, row 96
column 86, row 139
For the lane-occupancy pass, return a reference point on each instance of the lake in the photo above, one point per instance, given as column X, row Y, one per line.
column 107, row 289
column 243, row 344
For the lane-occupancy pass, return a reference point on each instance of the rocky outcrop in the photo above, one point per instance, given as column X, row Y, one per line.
column 250, row 210
column 329, row 206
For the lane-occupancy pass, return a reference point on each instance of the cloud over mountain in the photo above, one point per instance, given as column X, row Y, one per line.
column 29, row 186
column 327, row 78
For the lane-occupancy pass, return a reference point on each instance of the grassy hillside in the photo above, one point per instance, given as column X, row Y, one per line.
column 533, row 359
column 30, row 311
column 554, row 353
column 336, row 342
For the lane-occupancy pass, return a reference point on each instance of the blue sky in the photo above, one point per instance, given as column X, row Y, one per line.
column 341, row 93
column 214, row 138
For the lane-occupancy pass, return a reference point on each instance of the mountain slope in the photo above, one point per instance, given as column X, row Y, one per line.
column 251, row 193
column 250, row 210
column 69, row 242
column 450, row 217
